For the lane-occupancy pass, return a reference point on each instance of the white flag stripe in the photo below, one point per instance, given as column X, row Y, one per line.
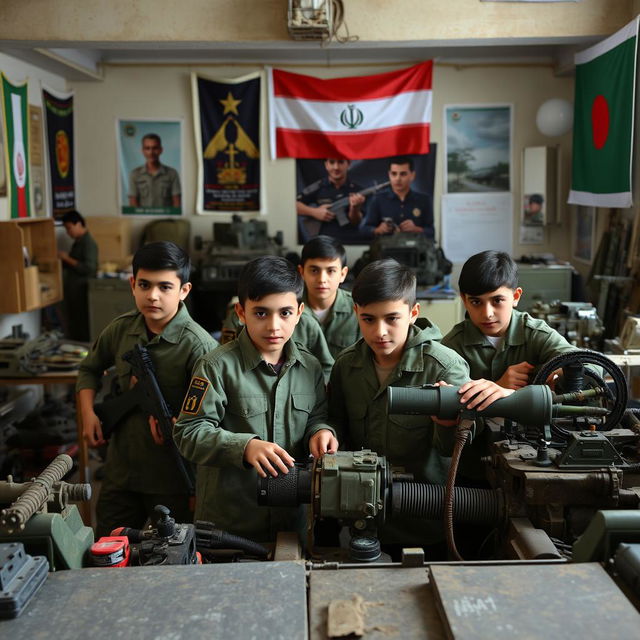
column 310, row 115
column 622, row 200
column 630, row 30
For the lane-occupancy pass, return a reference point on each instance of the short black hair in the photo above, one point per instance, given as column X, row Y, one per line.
column 152, row 136
column 160, row 256
column 266, row 275
column 324, row 247
column 488, row 271
column 402, row 160
column 385, row 280
column 536, row 198
column 73, row 217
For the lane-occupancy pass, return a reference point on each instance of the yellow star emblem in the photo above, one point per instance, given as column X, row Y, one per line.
column 230, row 104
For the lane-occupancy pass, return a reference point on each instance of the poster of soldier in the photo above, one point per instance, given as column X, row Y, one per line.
column 150, row 166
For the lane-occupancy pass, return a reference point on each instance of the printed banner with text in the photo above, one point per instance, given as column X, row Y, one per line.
column 58, row 110
column 16, row 129
column 227, row 127
column 357, row 118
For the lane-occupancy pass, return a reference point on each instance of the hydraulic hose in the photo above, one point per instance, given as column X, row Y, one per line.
column 422, row 500
column 208, row 537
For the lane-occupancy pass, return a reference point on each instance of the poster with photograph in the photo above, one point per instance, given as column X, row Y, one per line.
column 532, row 219
column 150, row 166
column 583, row 232
column 478, row 148
column 315, row 186
column 37, row 161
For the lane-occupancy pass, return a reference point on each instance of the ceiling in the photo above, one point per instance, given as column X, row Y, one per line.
column 84, row 61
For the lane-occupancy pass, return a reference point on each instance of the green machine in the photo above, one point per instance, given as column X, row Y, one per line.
column 39, row 514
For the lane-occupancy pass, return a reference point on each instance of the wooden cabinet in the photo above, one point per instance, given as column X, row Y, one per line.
column 30, row 271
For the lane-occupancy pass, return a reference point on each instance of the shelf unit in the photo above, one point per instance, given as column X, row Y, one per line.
column 30, row 270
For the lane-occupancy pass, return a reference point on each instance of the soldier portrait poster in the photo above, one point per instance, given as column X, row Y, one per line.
column 58, row 123
column 227, row 130
column 149, row 166
column 16, row 134
column 370, row 176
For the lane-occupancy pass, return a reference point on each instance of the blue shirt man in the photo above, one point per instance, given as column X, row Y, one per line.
column 399, row 208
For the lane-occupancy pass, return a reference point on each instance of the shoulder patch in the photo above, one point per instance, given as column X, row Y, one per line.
column 195, row 395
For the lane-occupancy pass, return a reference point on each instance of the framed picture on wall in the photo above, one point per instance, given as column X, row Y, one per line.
column 150, row 166
column 478, row 148
column 583, row 233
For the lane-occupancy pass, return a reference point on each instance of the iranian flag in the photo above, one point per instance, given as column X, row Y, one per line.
column 16, row 131
column 603, row 121
column 356, row 118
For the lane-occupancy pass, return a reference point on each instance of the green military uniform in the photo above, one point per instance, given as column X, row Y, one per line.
column 527, row 340
column 307, row 333
column 340, row 327
column 135, row 464
column 154, row 190
column 236, row 396
column 358, row 411
column 76, row 286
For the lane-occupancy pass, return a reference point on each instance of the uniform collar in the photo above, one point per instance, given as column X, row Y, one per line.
column 391, row 195
column 171, row 333
column 161, row 169
column 251, row 357
column 342, row 303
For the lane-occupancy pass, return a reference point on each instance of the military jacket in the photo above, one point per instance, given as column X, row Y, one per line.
column 527, row 339
column 416, row 206
column 358, row 412
column 85, row 250
column 134, row 461
column 235, row 396
column 340, row 328
column 155, row 190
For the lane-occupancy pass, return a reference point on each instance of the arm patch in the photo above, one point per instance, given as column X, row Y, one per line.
column 195, row 396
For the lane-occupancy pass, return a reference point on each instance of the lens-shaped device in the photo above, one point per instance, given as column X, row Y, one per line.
column 287, row 489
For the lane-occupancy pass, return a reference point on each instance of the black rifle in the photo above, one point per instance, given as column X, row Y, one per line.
column 145, row 395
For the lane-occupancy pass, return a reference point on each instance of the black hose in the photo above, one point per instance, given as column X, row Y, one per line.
column 208, row 537
column 422, row 500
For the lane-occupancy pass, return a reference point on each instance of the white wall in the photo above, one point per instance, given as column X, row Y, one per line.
column 164, row 92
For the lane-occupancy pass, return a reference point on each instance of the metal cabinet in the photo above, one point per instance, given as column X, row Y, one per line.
column 543, row 283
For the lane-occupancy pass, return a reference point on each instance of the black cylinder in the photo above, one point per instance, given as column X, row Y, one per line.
column 422, row 500
column 287, row 489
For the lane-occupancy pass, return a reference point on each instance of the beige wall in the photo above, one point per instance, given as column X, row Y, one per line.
column 264, row 20
column 164, row 92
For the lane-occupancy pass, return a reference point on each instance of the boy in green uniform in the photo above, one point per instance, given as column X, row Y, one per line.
column 138, row 473
column 324, row 268
column 397, row 349
column 499, row 342
column 255, row 403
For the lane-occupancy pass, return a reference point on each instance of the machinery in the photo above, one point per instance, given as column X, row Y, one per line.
column 414, row 250
column 578, row 322
column 39, row 515
column 233, row 245
column 558, row 459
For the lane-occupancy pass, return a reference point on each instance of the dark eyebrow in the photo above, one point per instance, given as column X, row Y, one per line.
column 165, row 283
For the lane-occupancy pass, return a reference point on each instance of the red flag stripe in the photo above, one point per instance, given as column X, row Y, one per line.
column 412, row 139
column 381, row 85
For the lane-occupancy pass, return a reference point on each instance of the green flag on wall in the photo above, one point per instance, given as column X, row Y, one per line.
column 603, row 121
column 16, row 130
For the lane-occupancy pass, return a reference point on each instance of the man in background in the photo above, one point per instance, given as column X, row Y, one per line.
column 154, row 184
column 78, row 266
column 400, row 208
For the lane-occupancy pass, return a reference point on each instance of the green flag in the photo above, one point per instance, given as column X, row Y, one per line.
column 603, row 121
column 16, row 128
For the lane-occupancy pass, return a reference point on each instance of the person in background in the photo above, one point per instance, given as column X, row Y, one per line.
column 78, row 266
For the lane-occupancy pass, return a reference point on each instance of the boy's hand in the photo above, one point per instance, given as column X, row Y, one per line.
column 154, row 427
column 444, row 423
column 479, row 394
column 516, row 376
column 260, row 455
column 322, row 442
column 92, row 429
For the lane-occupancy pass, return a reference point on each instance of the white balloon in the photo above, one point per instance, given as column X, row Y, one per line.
column 554, row 117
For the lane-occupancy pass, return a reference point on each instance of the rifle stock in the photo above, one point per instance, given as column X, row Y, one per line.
column 147, row 396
